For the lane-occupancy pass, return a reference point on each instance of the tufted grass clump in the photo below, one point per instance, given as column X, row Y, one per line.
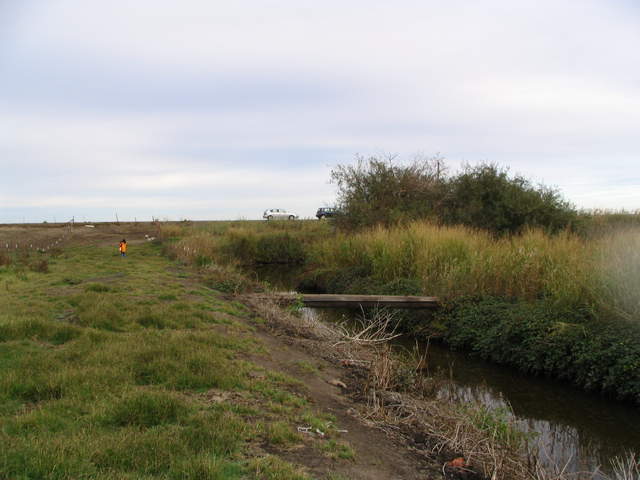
column 146, row 409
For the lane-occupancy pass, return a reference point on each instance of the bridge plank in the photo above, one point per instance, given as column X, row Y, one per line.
column 333, row 301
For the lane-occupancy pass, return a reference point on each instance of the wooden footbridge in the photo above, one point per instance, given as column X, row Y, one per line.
column 351, row 301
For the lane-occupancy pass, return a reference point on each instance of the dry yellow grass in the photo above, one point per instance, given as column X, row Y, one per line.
column 454, row 261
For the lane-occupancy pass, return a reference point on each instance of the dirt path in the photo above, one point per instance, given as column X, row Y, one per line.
column 377, row 456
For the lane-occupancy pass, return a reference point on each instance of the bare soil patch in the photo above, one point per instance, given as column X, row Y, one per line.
column 377, row 455
column 98, row 234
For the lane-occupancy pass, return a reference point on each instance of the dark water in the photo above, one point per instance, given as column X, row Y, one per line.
column 571, row 427
column 575, row 428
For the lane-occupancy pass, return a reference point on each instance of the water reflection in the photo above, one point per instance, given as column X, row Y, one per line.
column 575, row 428
column 568, row 427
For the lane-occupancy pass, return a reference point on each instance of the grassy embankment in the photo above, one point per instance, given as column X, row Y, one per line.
column 116, row 368
column 565, row 306
column 556, row 305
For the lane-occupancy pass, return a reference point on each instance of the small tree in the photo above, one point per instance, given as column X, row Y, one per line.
column 485, row 196
column 377, row 190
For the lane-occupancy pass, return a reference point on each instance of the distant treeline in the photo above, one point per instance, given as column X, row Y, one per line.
column 377, row 190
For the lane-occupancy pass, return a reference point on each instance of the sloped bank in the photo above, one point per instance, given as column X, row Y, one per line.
column 575, row 346
column 459, row 440
column 558, row 306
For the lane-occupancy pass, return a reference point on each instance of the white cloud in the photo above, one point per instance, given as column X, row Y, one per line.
column 151, row 103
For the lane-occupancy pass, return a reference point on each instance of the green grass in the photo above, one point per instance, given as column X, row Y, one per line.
column 105, row 365
column 335, row 449
column 273, row 468
column 306, row 367
column 498, row 424
column 451, row 262
column 336, row 476
column 281, row 433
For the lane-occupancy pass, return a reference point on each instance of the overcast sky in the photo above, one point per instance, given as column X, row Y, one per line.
column 216, row 110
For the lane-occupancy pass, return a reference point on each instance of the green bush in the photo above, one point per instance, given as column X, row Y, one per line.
column 485, row 196
column 536, row 338
column 377, row 190
column 383, row 191
column 242, row 246
column 279, row 248
column 600, row 223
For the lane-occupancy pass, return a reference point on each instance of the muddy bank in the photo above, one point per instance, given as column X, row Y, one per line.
column 457, row 438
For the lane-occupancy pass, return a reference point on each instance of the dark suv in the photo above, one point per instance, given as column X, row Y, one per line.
column 325, row 212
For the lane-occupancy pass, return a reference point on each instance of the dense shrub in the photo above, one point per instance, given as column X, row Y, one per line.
column 485, row 196
column 556, row 305
column 571, row 345
column 598, row 223
column 247, row 243
column 228, row 279
column 279, row 248
column 376, row 191
column 456, row 261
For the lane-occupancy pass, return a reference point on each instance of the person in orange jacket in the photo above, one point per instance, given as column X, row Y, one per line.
column 123, row 248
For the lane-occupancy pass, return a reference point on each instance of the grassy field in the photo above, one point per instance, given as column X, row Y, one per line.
column 128, row 368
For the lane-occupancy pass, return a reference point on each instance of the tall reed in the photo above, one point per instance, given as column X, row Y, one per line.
column 458, row 261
